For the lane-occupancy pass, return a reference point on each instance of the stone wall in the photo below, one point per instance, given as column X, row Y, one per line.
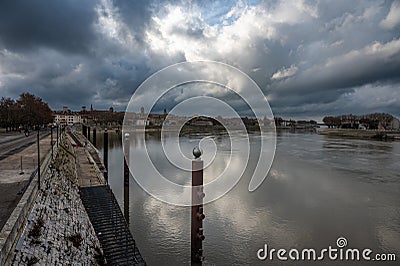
column 58, row 229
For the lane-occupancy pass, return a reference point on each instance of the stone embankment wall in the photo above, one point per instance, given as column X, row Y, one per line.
column 58, row 231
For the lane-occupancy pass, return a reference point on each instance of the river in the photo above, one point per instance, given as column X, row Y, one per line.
column 318, row 189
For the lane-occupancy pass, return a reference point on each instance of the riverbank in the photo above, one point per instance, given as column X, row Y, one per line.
column 58, row 229
column 109, row 223
column 14, row 226
column 361, row 134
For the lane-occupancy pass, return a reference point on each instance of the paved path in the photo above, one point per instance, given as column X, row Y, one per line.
column 87, row 172
column 12, row 182
column 10, row 136
column 13, row 144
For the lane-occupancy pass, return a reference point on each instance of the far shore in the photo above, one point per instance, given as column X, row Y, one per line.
column 361, row 133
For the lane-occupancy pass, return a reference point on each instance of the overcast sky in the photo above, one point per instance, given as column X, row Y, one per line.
column 310, row 58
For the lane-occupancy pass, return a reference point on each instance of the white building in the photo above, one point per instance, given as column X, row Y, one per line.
column 141, row 122
column 67, row 118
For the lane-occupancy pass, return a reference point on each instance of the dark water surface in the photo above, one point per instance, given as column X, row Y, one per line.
column 318, row 189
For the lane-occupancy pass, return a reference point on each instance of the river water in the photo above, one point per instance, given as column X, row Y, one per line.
column 318, row 189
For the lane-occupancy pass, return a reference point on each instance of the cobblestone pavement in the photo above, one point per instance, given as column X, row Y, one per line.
column 58, row 231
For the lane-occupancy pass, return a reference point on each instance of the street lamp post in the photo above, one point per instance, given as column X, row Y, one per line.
column 38, row 156
column 51, row 141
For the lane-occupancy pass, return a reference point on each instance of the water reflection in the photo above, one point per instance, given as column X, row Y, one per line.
column 318, row 189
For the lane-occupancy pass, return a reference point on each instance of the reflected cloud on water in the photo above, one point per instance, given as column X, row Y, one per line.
column 317, row 190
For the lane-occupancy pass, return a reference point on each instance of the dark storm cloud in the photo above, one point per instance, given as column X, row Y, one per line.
column 310, row 58
column 345, row 49
column 60, row 51
column 64, row 25
column 378, row 62
column 359, row 100
column 135, row 14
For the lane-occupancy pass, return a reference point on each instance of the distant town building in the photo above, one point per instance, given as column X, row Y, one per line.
column 141, row 122
column 93, row 117
column 156, row 119
column 66, row 117
column 141, row 119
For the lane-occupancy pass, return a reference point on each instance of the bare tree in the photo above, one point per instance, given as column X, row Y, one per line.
column 28, row 111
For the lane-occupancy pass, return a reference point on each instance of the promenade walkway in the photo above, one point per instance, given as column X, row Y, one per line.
column 110, row 226
column 12, row 182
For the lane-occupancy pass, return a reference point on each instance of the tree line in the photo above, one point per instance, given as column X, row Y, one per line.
column 369, row 121
column 27, row 112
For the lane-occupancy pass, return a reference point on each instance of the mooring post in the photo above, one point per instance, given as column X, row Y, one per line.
column 126, row 177
column 22, row 171
column 105, row 154
column 197, row 235
column 38, row 156
column 51, row 141
column 94, row 137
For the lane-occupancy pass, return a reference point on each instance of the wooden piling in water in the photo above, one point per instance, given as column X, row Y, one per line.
column 94, row 137
column 105, row 154
column 197, row 235
column 126, row 177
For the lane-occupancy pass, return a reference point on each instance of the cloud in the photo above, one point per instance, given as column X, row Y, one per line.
column 285, row 72
column 356, row 101
column 376, row 61
column 64, row 25
column 306, row 56
column 392, row 19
